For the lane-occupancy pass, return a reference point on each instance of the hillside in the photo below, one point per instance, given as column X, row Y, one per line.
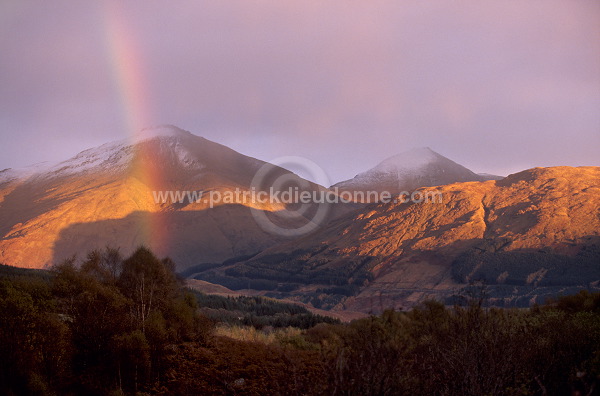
column 107, row 196
column 398, row 254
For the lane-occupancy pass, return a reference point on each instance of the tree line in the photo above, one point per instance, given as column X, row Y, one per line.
column 258, row 312
column 96, row 326
column 117, row 326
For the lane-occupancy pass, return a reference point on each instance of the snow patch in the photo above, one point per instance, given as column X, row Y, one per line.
column 160, row 131
column 114, row 156
column 11, row 174
column 409, row 160
column 409, row 163
column 415, row 168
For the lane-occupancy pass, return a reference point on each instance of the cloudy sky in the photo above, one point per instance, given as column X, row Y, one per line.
column 496, row 86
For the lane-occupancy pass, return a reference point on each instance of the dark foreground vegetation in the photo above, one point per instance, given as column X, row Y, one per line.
column 113, row 326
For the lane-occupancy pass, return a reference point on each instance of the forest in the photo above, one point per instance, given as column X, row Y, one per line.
column 110, row 325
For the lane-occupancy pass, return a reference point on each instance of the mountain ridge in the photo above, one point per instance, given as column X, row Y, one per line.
column 399, row 254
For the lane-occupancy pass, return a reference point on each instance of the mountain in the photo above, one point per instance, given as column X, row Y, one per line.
column 408, row 171
column 527, row 236
column 532, row 234
column 108, row 196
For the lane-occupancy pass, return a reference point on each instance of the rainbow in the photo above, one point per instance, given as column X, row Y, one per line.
column 129, row 73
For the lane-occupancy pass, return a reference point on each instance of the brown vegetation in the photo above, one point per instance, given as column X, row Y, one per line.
column 113, row 326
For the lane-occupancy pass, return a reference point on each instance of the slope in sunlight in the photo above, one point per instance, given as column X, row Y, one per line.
column 107, row 196
column 531, row 234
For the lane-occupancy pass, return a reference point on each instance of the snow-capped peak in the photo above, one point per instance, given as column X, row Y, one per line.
column 410, row 170
column 159, row 132
column 118, row 154
column 112, row 156
column 409, row 160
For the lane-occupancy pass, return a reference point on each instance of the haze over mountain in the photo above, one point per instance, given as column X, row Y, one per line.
column 410, row 170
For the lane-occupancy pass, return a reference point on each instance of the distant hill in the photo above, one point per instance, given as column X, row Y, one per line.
column 408, row 171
